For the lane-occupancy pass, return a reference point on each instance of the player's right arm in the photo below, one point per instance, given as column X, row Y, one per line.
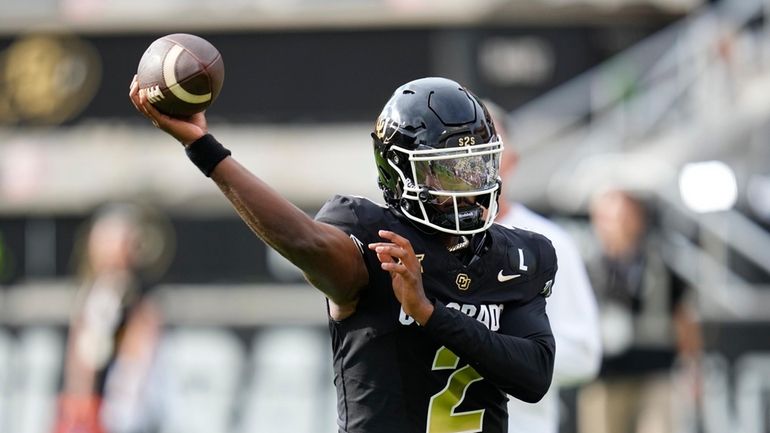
column 326, row 254
column 329, row 258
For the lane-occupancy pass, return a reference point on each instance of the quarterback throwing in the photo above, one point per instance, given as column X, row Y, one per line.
column 436, row 313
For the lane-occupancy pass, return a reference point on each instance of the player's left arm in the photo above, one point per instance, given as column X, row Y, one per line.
column 519, row 359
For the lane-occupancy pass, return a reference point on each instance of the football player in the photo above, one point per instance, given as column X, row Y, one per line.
column 435, row 312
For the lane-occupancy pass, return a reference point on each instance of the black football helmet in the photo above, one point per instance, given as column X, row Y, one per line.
column 438, row 156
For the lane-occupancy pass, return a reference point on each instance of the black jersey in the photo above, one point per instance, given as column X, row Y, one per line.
column 488, row 335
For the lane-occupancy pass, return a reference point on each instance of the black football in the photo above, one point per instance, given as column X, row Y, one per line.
column 182, row 74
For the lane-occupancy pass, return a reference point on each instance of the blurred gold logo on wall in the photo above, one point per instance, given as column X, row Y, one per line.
column 47, row 79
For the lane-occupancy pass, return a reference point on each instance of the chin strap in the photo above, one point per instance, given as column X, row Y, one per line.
column 470, row 219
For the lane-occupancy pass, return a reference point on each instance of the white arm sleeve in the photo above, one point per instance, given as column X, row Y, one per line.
column 574, row 317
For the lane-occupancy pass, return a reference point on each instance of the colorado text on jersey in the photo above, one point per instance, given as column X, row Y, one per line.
column 488, row 314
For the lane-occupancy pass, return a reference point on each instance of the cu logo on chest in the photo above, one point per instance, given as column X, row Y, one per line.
column 463, row 281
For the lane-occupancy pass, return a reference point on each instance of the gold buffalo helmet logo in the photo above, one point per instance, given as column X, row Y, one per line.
column 463, row 281
column 385, row 129
column 47, row 79
column 379, row 129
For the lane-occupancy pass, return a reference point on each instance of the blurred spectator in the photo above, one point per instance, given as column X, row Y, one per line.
column 571, row 307
column 115, row 324
column 645, row 322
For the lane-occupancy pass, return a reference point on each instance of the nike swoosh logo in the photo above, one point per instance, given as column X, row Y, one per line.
column 503, row 278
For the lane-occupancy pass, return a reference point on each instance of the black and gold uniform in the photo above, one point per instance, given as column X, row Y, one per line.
column 489, row 335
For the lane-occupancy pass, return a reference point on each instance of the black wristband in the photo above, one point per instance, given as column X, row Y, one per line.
column 206, row 152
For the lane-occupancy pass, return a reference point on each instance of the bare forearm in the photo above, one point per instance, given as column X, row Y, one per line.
column 319, row 249
column 275, row 220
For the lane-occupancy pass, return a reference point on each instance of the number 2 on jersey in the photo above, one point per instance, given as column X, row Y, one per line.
column 441, row 411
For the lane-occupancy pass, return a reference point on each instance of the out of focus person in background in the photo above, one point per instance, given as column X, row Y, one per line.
column 115, row 326
column 571, row 308
column 647, row 323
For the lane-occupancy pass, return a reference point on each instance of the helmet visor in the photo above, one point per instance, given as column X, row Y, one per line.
column 464, row 173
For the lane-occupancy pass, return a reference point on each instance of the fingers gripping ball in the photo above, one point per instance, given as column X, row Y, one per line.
column 182, row 74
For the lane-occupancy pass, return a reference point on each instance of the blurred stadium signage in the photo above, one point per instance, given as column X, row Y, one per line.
column 47, row 79
column 321, row 75
column 516, row 61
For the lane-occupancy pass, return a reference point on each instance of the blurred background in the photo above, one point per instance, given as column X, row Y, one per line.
column 185, row 321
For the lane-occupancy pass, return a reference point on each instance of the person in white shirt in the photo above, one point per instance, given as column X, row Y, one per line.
column 571, row 308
